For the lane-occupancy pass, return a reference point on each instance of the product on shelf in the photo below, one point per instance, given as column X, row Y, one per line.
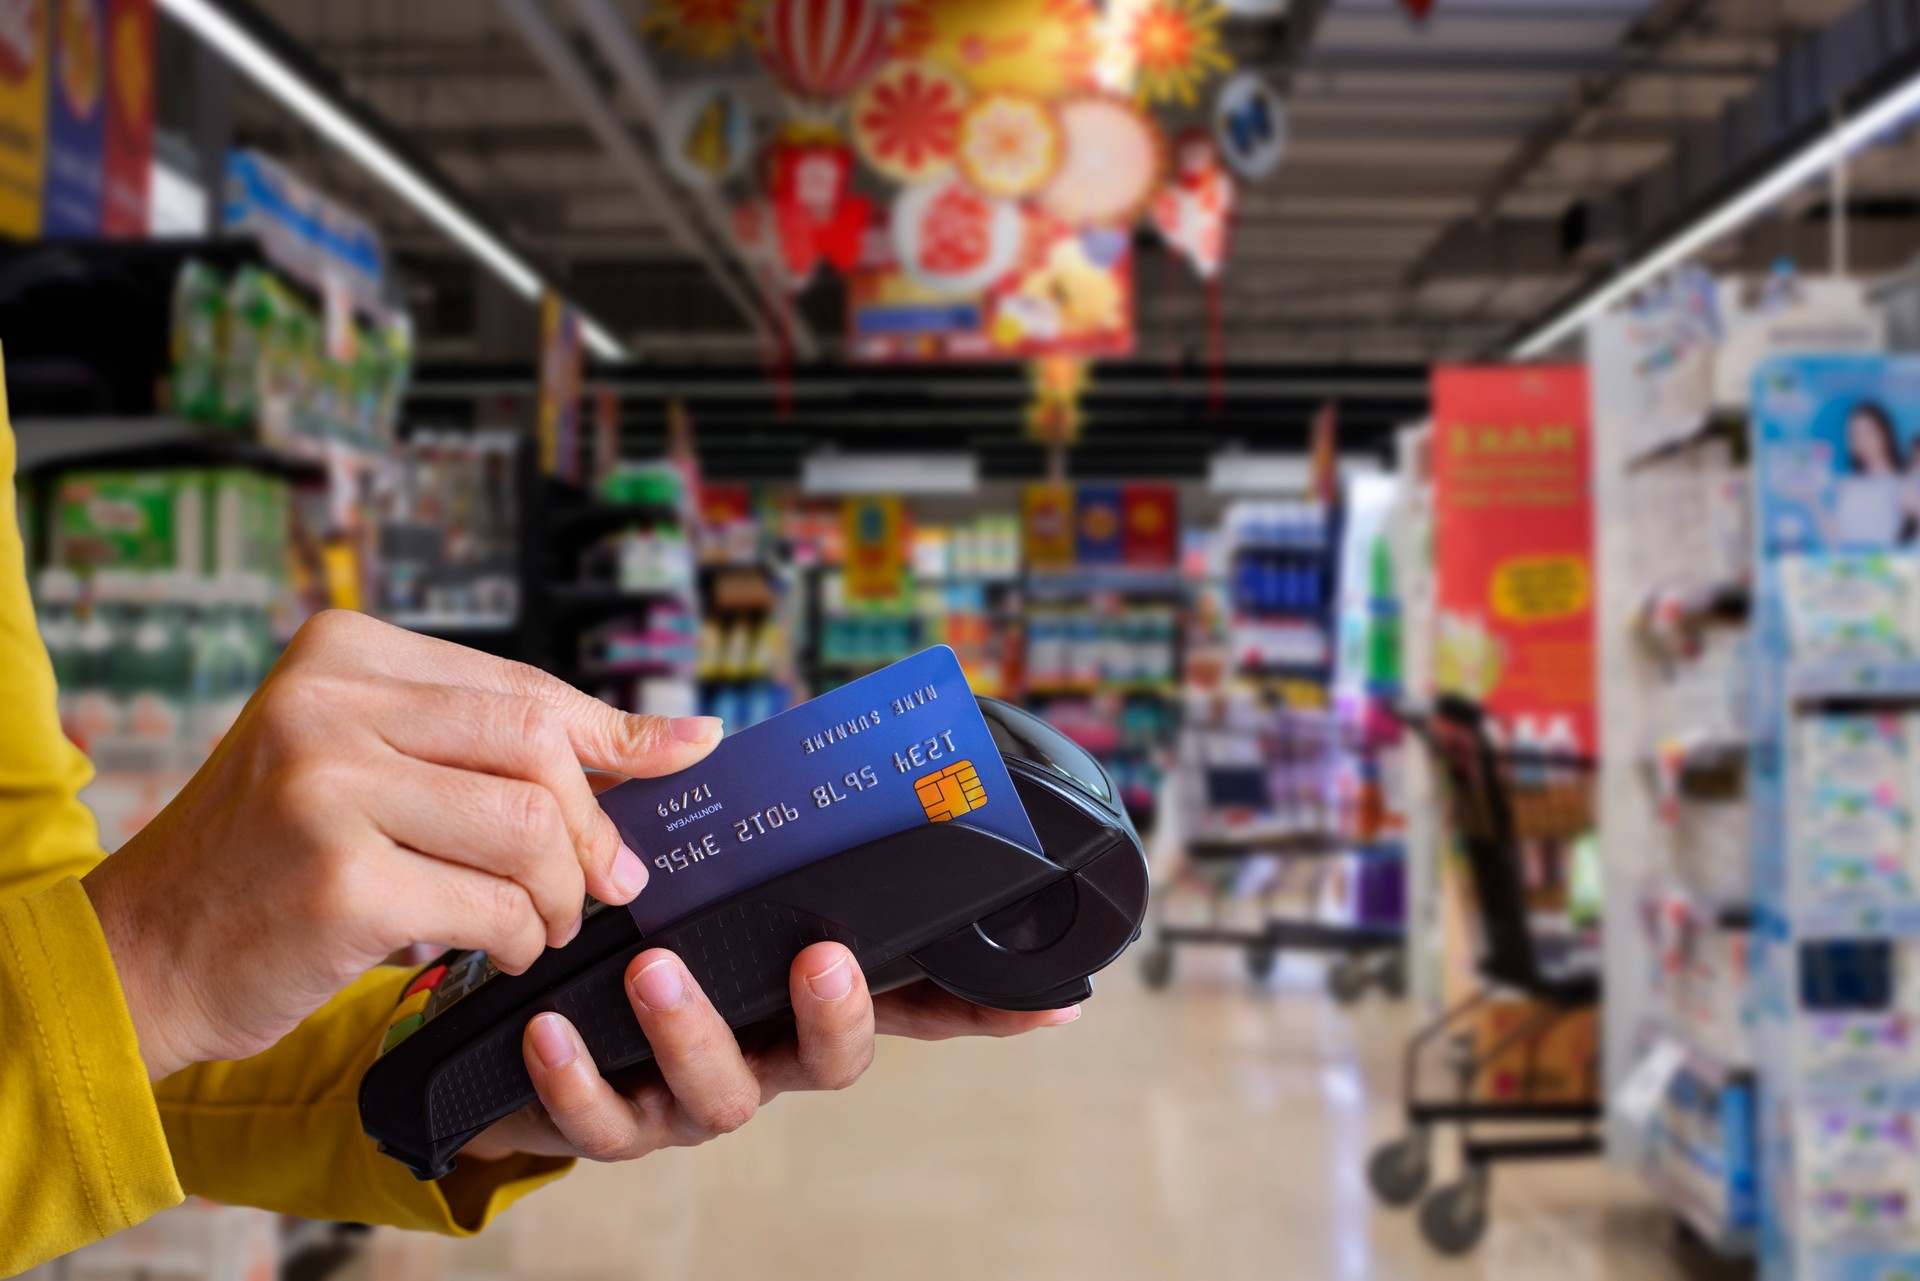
column 251, row 355
column 645, row 484
column 1101, row 646
column 449, row 533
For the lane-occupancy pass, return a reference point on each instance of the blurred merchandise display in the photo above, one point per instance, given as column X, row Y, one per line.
column 986, row 548
column 1282, row 567
column 1106, row 644
column 1836, row 796
column 450, row 531
column 1257, row 811
column 1701, row 810
column 251, row 355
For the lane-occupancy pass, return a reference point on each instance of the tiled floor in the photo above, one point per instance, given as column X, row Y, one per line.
column 1211, row 1131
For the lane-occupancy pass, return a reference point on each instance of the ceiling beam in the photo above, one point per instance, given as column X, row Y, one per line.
column 631, row 66
column 571, row 76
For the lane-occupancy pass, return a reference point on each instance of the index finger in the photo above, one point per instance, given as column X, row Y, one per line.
column 603, row 737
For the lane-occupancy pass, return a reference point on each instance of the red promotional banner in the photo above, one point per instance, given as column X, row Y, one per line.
column 127, row 163
column 1513, row 549
column 1150, row 525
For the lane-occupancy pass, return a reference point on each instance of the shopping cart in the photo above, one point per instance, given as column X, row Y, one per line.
column 1514, row 815
column 1254, row 799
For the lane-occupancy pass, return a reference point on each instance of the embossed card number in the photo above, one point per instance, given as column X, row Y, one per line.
column 902, row 747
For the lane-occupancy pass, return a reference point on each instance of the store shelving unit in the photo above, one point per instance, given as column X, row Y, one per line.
column 1674, row 568
column 1086, row 644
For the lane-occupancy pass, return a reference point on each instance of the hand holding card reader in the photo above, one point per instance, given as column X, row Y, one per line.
column 937, row 836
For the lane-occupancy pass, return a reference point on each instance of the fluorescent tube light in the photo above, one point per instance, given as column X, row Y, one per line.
column 264, row 68
column 1819, row 155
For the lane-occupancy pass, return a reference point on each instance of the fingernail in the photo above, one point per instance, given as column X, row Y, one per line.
column 573, row 933
column 1067, row 1015
column 659, row 986
column 552, row 1042
column 696, row 729
column 629, row 873
column 834, row 983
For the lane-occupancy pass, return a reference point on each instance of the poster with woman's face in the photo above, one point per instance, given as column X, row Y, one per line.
column 1838, row 453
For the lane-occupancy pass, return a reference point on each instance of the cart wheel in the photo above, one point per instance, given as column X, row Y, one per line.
column 1398, row 1171
column 1393, row 976
column 1260, row 962
column 1347, row 982
column 1156, row 966
column 1455, row 1218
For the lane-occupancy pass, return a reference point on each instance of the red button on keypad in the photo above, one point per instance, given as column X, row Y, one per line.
column 427, row 981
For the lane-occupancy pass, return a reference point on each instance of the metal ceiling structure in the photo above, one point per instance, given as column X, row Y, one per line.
column 1423, row 212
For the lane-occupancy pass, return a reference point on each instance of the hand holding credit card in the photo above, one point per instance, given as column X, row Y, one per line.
column 890, row 751
column 934, row 835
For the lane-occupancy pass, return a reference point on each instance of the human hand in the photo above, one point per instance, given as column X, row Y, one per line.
column 381, row 788
column 706, row 1083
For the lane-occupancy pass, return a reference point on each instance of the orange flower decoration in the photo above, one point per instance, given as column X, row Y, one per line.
column 1009, row 145
column 1176, row 49
column 906, row 120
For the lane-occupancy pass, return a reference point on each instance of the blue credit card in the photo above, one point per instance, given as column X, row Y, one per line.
column 903, row 747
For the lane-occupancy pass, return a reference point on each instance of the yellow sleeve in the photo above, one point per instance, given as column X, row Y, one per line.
column 282, row 1131
column 76, row 1109
column 46, row 834
column 80, row 1137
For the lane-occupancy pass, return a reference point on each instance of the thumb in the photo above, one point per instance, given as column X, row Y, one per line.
column 606, row 738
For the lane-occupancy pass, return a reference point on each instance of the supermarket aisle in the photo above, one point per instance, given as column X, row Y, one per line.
column 1206, row 1133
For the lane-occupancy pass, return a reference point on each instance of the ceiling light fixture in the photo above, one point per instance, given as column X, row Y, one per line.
column 1816, row 157
column 264, row 67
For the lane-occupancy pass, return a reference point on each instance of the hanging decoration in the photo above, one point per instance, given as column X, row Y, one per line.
column 816, row 214
column 1009, row 145
column 1113, row 160
column 821, row 50
column 707, row 134
column 1192, row 210
column 1174, row 46
column 1079, row 298
column 1418, row 10
column 1054, row 416
column 1045, row 48
column 906, row 120
column 1192, row 213
column 706, row 30
column 952, row 239
column 1250, row 124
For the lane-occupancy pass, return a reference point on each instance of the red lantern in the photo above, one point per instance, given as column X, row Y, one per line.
column 821, row 50
column 815, row 212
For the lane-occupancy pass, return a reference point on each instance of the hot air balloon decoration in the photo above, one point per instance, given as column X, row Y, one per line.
column 822, row 50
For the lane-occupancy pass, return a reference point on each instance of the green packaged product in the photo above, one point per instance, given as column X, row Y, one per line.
column 199, row 318
column 251, row 306
column 129, row 521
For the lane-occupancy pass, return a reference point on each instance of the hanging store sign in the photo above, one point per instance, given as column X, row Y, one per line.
column 23, row 114
column 1064, row 293
column 76, row 120
column 1047, row 526
column 1099, row 528
column 1513, row 549
column 561, row 356
column 128, row 161
column 875, row 530
column 1150, row 518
